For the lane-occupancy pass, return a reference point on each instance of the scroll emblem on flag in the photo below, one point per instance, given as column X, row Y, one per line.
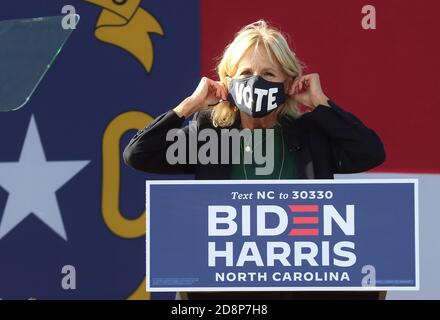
column 125, row 24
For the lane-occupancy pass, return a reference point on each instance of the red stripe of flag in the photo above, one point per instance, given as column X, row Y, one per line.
column 305, row 220
column 303, row 208
column 304, row 232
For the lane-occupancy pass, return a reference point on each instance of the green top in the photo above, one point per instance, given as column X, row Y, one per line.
column 284, row 162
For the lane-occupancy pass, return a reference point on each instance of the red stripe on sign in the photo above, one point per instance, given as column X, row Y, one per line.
column 303, row 208
column 304, row 232
column 305, row 220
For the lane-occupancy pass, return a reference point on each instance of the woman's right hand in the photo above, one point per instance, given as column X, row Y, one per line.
column 207, row 93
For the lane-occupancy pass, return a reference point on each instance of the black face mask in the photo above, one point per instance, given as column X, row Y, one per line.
column 256, row 96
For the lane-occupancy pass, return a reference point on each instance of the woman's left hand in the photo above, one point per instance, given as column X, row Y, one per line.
column 307, row 91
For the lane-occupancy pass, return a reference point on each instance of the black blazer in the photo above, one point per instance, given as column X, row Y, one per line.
column 323, row 142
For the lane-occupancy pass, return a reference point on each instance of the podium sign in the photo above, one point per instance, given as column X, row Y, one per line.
column 282, row 235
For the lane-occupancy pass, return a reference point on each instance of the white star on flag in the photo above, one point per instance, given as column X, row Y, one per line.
column 32, row 182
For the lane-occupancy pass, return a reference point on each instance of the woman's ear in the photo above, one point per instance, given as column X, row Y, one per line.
column 288, row 84
column 228, row 80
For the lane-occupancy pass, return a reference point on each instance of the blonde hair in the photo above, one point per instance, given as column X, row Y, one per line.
column 250, row 36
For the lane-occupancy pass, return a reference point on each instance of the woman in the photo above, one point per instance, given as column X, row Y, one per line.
column 308, row 145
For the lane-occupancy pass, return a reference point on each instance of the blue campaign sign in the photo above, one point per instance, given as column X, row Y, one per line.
column 282, row 235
